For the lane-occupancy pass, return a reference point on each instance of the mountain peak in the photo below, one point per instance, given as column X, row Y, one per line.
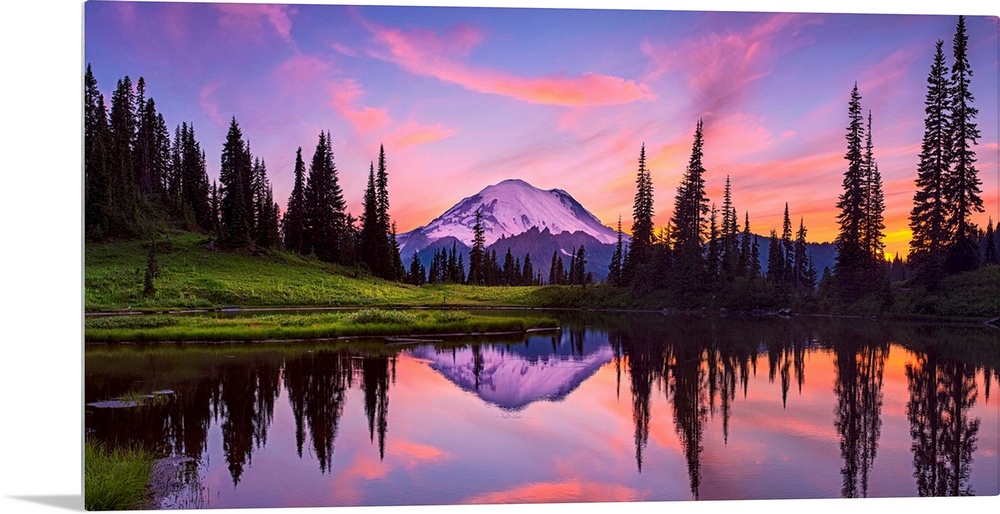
column 508, row 208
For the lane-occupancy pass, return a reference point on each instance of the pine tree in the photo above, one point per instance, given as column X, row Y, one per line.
column 124, row 201
column 477, row 256
column 713, row 257
column 961, row 187
column 745, row 244
column 874, row 210
column 528, row 271
column 928, row 218
column 214, row 207
column 990, row 254
column 852, row 257
column 325, row 219
column 801, row 261
column 292, row 222
column 688, row 225
column 581, row 266
column 787, row 250
column 370, row 244
column 508, row 268
column 730, row 236
column 96, row 146
column 615, row 268
column 691, row 204
column 642, row 221
column 237, row 220
column 775, row 260
column 416, row 273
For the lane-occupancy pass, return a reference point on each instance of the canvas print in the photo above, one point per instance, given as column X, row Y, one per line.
column 349, row 255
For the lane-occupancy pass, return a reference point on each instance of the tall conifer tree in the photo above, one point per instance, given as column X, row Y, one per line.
column 292, row 221
column 851, row 253
column 642, row 220
column 961, row 186
column 928, row 218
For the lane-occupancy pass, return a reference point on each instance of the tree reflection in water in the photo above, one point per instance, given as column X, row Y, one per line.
column 698, row 365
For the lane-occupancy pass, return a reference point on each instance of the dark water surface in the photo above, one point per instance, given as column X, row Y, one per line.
column 611, row 408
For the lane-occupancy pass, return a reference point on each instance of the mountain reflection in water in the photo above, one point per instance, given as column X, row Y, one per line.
column 613, row 408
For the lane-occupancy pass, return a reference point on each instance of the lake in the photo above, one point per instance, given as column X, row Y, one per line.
column 612, row 407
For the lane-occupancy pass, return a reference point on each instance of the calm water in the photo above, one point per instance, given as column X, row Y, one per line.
column 611, row 408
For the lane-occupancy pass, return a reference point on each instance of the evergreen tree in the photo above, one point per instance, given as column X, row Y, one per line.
column 713, row 257
column 324, row 216
column 96, row 150
column 397, row 270
column 691, row 204
column 787, row 250
column 370, row 244
column 477, row 256
column 928, row 218
column 754, row 269
column 615, row 268
column 875, row 207
column 214, row 206
column 416, row 273
column 581, row 263
column 237, row 220
column 852, row 257
column 123, row 211
column 642, row 220
column 745, row 244
column 990, row 254
column 688, row 224
column 292, row 222
column 803, row 283
column 730, row 236
column 961, row 187
column 528, row 271
column 775, row 260
column 508, row 268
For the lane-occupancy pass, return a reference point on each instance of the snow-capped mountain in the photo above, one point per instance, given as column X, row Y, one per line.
column 509, row 208
column 513, row 378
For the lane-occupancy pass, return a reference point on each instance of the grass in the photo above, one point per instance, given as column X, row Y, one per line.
column 361, row 323
column 116, row 478
column 192, row 274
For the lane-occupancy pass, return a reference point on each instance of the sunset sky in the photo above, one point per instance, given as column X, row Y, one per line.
column 466, row 97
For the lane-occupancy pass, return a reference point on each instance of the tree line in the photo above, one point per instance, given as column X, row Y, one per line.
column 703, row 255
column 136, row 178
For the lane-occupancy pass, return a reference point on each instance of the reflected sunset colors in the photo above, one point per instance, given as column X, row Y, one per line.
column 610, row 408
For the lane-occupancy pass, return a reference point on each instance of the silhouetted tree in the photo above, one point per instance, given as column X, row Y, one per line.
column 929, row 216
column 961, row 187
column 642, row 221
column 292, row 224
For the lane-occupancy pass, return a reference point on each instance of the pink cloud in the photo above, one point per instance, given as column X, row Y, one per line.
column 720, row 67
column 254, row 17
column 344, row 99
column 209, row 105
column 415, row 134
column 425, row 53
column 302, row 68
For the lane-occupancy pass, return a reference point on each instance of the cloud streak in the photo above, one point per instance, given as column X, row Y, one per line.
column 426, row 53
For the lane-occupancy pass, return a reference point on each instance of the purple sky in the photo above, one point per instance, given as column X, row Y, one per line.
column 466, row 97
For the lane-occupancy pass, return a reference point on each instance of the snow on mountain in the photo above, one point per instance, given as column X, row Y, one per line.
column 512, row 380
column 509, row 208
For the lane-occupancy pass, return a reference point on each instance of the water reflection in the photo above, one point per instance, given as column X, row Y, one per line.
column 942, row 393
column 697, row 376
